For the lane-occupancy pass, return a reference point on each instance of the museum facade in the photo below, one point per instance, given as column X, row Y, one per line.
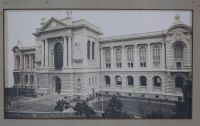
column 72, row 59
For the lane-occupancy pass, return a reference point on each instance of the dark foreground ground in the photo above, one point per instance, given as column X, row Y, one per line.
column 42, row 107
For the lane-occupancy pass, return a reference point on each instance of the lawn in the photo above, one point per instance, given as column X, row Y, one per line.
column 132, row 107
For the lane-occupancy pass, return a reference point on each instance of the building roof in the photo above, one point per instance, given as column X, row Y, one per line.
column 67, row 23
column 133, row 36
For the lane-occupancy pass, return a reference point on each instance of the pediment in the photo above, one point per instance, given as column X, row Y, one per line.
column 52, row 24
column 179, row 28
column 180, row 32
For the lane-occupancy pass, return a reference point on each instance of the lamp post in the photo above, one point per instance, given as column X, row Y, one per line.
column 17, row 102
column 102, row 99
column 34, row 96
column 52, row 100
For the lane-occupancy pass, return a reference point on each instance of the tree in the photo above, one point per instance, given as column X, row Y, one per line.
column 114, row 109
column 61, row 105
column 184, row 108
column 83, row 108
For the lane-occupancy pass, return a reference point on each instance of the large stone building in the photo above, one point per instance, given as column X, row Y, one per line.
column 71, row 59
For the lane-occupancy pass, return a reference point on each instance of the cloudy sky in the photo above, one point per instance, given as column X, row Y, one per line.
column 20, row 24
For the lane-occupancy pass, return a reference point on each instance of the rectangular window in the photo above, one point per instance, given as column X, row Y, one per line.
column 142, row 64
column 178, row 65
column 107, row 58
column 118, row 58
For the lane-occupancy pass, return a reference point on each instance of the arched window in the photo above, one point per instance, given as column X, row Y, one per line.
column 118, row 58
column 143, row 81
column 26, row 79
column 58, row 56
column 157, row 81
column 178, row 51
column 107, row 79
column 79, row 84
column 17, row 78
column 130, row 80
column 58, row 85
column 142, row 56
column 17, row 61
column 130, row 57
column 156, row 56
column 88, row 49
column 179, row 82
column 118, row 80
column 93, row 50
column 107, row 58
column 31, row 79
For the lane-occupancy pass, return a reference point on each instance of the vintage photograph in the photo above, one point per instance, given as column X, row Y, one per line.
column 98, row 64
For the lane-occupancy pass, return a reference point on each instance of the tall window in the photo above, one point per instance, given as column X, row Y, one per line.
column 130, row 57
column 178, row 54
column 78, row 84
column 156, row 56
column 88, row 49
column 178, row 51
column 27, row 61
column 118, row 80
column 179, row 82
column 58, row 55
column 107, row 58
column 58, row 85
column 33, row 61
column 26, row 79
column 16, row 77
column 31, row 79
column 157, row 81
column 107, row 80
column 17, row 61
column 143, row 81
column 142, row 56
column 118, row 58
column 93, row 50
column 130, row 80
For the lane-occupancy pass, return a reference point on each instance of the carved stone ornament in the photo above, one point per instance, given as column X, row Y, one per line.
column 78, row 55
column 178, row 36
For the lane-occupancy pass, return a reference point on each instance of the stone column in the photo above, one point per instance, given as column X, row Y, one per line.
column 91, row 50
column 21, row 62
column 52, row 58
column 24, row 62
column 162, row 56
column 65, row 53
column 46, row 53
column 124, row 58
column 30, row 62
column 102, row 57
column 69, row 51
column 113, row 63
column 43, row 50
column 135, row 57
column 149, row 61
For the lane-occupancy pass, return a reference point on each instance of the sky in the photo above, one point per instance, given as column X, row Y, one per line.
column 20, row 24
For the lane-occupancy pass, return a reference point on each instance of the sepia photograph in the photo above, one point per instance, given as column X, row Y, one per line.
column 98, row 64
